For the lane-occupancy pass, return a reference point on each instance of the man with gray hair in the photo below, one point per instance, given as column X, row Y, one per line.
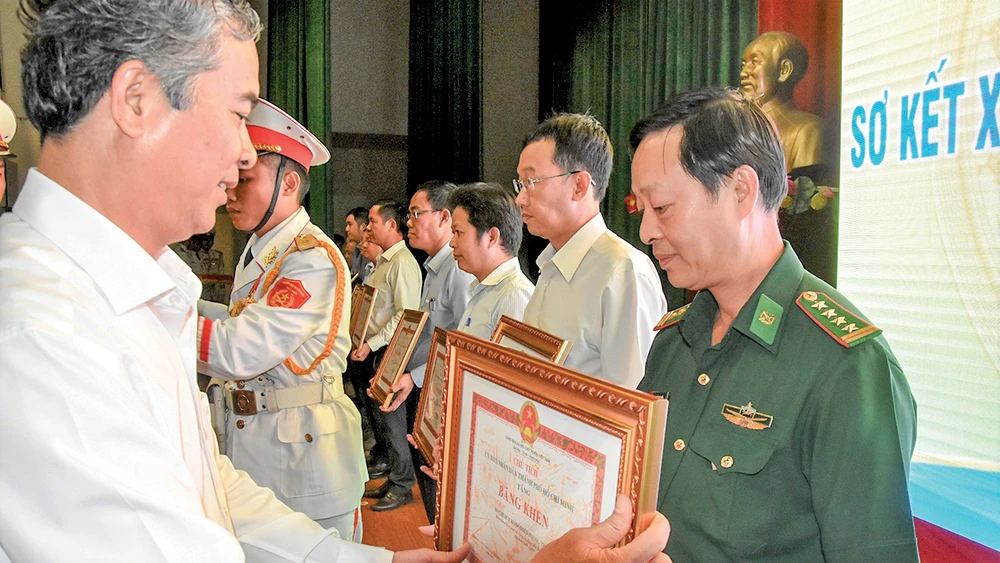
column 107, row 446
column 595, row 290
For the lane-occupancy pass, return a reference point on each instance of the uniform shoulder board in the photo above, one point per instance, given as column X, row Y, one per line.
column 847, row 328
column 305, row 242
column 672, row 317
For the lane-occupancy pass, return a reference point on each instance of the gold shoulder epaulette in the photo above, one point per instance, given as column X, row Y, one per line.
column 847, row 328
column 305, row 242
column 671, row 317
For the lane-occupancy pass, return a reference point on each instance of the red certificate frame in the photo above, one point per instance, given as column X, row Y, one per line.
column 515, row 334
column 532, row 449
column 427, row 425
column 362, row 304
column 393, row 363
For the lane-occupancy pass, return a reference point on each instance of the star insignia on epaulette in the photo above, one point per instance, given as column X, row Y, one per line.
column 846, row 327
column 671, row 317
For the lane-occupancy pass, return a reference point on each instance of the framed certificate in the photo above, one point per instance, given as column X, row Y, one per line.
column 526, row 338
column 397, row 354
column 427, row 426
column 362, row 303
column 533, row 449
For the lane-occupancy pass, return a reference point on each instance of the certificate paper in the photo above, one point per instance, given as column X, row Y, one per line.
column 533, row 449
column 523, row 505
column 427, row 425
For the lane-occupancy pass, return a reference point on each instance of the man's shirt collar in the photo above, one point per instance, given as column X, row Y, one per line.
column 392, row 251
column 568, row 258
column 121, row 269
column 780, row 286
column 500, row 273
column 281, row 236
column 440, row 260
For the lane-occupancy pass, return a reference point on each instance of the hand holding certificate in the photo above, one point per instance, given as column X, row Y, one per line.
column 532, row 449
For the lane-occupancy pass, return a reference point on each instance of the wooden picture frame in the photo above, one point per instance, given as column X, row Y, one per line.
column 362, row 304
column 427, row 425
column 523, row 337
column 533, row 449
column 397, row 354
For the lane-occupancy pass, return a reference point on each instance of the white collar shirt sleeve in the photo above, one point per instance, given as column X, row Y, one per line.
column 105, row 445
column 604, row 296
column 444, row 297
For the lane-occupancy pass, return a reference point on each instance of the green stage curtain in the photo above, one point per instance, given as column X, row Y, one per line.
column 298, row 81
column 445, row 99
column 619, row 59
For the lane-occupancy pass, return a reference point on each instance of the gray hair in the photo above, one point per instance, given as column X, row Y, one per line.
column 75, row 47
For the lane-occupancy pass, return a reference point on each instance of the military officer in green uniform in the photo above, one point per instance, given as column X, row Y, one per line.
column 791, row 424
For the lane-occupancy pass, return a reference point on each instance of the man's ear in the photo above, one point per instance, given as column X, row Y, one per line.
column 445, row 216
column 785, row 69
column 493, row 237
column 582, row 181
column 290, row 183
column 135, row 96
column 746, row 189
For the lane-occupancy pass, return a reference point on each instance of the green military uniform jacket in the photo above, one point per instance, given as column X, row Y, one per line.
column 790, row 440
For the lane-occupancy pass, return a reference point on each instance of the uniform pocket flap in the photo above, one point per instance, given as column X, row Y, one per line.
column 302, row 425
column 731, row 448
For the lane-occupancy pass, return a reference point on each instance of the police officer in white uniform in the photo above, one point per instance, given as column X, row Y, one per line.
column 282, row 344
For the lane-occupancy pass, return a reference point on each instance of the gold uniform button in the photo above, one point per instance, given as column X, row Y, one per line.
column 240, row 384
column 727, row 461
column 703, row 379
column 679, row 444
column 240, row 424
column 309, row 438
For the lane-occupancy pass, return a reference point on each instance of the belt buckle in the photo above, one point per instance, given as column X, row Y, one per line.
column 244, row 402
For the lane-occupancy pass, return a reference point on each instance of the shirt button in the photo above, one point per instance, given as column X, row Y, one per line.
column 679, row 444
column 727, row 461
column 309, row 438
column 240, row 424
column 703, row 379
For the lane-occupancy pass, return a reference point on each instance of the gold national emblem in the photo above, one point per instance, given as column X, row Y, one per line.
column 810, row 296
column 528, row 422
column 746, row 416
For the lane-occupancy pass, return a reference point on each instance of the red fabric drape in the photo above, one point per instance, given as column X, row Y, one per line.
column 818, row 24
column 938, row 545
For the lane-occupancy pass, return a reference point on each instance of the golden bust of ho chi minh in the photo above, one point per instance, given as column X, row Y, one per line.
column 772, row 65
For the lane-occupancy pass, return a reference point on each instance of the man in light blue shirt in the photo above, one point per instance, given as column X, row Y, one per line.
column 445, row 295
column 486, row 235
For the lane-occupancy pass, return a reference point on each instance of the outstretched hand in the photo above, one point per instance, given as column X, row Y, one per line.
column 430, row 556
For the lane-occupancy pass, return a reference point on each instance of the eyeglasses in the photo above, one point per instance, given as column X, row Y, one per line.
column 416, row 213
column 529, row 183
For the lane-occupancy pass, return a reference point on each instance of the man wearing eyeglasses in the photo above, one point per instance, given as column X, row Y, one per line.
column 444, row 296
column 595, row 290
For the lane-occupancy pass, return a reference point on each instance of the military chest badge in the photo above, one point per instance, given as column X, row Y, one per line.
column 288, row 294
column 270, row 256
column 747, row 416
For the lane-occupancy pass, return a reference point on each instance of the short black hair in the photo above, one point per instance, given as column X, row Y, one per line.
column 720, row 132
column 438, row 192
column 488, row 206
column 360, row 215
column 274, row 160
column 581, row 144
column 391, row 210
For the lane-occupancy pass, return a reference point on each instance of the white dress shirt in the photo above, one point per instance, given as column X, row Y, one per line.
column 397, row 278
column 505, row 291
column 106, row 450
column 444, row 297
column 603, row 295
